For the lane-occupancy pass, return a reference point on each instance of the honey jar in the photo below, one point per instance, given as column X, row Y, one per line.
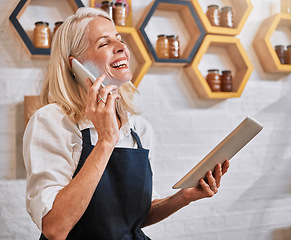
column 162, row 46
column 41, row 32
column 226, row 81
column 107, row 6
column 226, row 19
column 288, row 55
column 213, row 15
column 214, row 80
column 119, row 14
column 174, row 46
column 57, row 25
column 280, row 50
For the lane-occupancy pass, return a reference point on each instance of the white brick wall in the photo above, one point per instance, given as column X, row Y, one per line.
column 254, row 201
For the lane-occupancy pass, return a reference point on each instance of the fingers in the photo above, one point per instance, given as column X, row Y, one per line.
column 217, row 174
column 211, row 182
column 225, row 167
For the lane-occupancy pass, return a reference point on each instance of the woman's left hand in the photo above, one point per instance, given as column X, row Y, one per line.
column 209, row 188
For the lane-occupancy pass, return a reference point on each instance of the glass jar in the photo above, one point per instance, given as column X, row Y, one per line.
column 57, row 25
column 213, row 14
column 162, row 46
column 226, row 81
column 280, row 50
column 288, row 55
column 41, row 33
column 226, row 19
column 174, row 46
column 214, row 80
column 285, row 6
column 107, row 6
column 119, row 14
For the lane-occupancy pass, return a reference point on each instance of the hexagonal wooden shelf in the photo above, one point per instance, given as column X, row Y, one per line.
column 263, row 47
column 14, row 20
column 135, row 44
column 191, row 22
column 239, row 58
column 242, row 9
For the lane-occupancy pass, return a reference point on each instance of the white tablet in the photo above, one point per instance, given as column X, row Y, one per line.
column 226, row 149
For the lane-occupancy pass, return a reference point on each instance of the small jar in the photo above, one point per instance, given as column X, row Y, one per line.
column 226, row 81
column 162, row 46
column 42, row 37
column 119, row 14
column 174, row 46
column 57, row 25
column 286, row 6
column 107, row 7
column 288, row 55
column 214, row 80
column 280, row 50
column 226, row 17
column 213, row 14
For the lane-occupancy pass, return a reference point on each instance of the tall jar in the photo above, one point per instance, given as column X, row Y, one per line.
column 280, row 50
column 226, row 19
column 119, row 14
column 162, row 46
column 174, row 46
column 107, row 7
column 288, row 55
column 285, row 6
column 42, row 36
column 226, row 81
column 214, row 80
column 57, row 25
column 213, row 14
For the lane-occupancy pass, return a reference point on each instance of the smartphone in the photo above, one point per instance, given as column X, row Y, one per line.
column 81, row 73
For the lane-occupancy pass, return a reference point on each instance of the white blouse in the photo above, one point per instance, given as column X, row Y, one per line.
column 52, row 145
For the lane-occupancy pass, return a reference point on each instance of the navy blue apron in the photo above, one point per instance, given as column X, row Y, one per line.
column 122, row 199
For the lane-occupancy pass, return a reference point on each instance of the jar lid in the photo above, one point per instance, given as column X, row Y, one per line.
column 105, row 2
column 226, row 71
column 172, row 36
column 226, row 8
column 279, row 46
column 41, row 23
column 60, row 22
column 120, row 4
column 213, row 70
column 213, row 5
column 161, row 35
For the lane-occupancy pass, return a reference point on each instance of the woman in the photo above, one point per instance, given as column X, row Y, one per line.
column 87, row 152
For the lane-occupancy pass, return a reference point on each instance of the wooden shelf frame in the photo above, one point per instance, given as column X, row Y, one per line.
column 239, row 58
column 14, row 20
column 264, row 48
column 191, row 22
column 242, row 9
column 137, row 48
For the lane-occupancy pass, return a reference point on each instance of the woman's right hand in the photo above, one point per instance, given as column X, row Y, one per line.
column 100, row 109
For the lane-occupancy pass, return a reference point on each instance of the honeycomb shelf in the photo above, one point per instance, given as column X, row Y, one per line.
column 135, row 44
column 14, row 20
column 263, row 47
column 239, row 58
column 190, row 20
column 242, row 9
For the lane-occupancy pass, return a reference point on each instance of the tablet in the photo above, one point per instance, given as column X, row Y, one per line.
column 226, row 149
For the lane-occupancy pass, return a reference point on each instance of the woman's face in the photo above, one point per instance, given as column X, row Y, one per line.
column 107, row 52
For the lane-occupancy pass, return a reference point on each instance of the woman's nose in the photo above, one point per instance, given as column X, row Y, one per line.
column 119, row 47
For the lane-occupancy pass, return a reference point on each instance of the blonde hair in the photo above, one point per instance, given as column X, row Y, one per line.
column 59, row 85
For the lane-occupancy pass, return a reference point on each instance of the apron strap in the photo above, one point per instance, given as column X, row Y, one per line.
column 136, row 137
column 86, row 136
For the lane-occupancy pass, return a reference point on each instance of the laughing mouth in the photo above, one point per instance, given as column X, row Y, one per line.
column 120, row 64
